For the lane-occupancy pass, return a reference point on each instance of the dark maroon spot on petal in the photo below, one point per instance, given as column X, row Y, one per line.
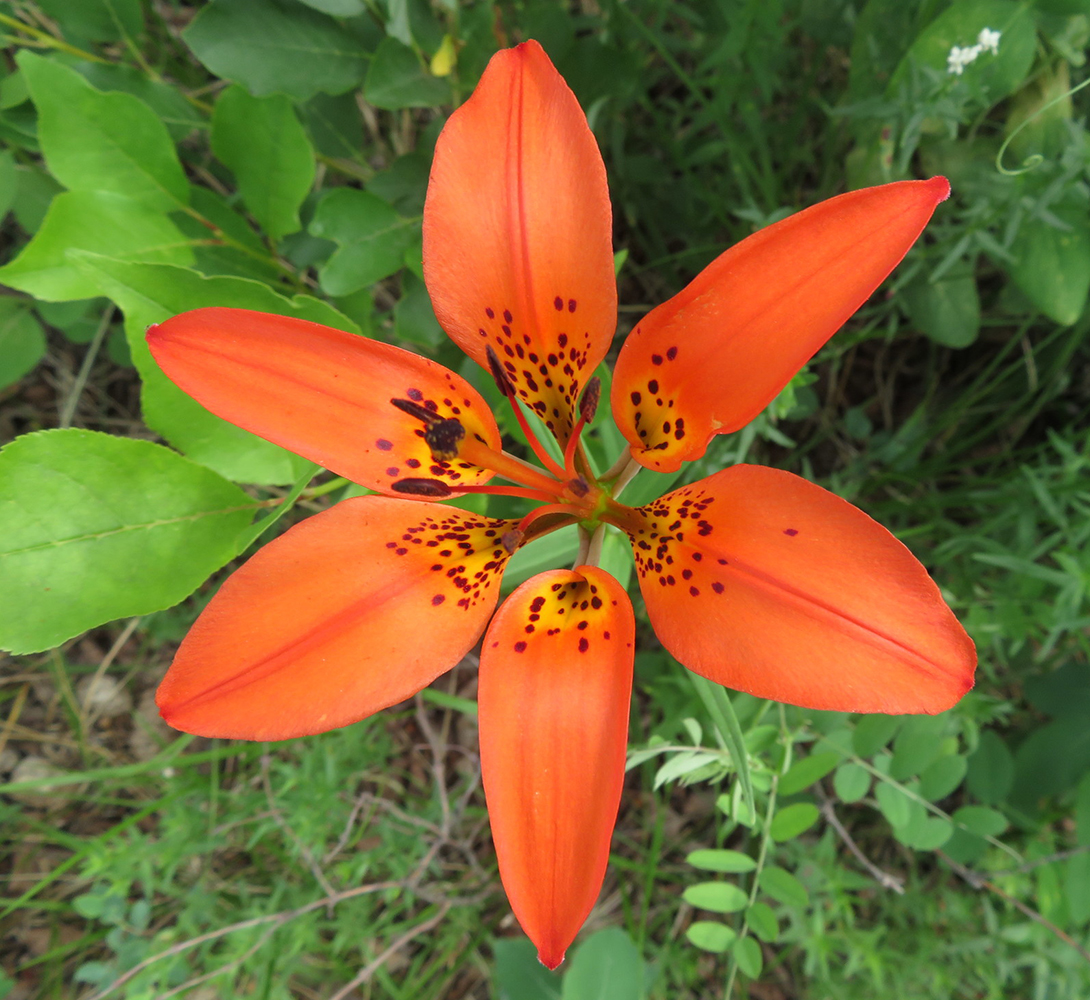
column 582, row 625
column 636, row 398
column 653, row 386
column 415, row 395
column 558, row 303
column 520, row 647
column 571, row 305
column 507, row 317
column 489, row 313
column 672, row 353
column 393, row 470
column 438, row 599
column 413, row 463
column 723, row 562
column 529, row 629
column 656, row 359
column 791, row 531
column 606, row 635
column 694, row 591
column 584, row 645
column 717, row 587
column 383, row 445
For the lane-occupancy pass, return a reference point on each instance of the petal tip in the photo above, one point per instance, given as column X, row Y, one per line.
column 941, row 188
column 550, row 958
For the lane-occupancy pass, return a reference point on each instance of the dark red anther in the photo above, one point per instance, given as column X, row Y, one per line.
column 588, row 405
column 579, row 486
column 422, row 488
column 503, row 383
column 443, row 438
column 422, row 413
column 511, row 540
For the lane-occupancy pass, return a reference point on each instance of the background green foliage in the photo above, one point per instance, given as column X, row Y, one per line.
column 273, row 155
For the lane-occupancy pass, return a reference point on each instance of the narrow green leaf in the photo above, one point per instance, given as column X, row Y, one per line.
column 371, row 239
column 784, row 887
column 721, row 860
column 792, row 820
column 851, row 782
column 95, row 141
column 96, row 528
column 99, row 222
column 267, row 150
column 805, row 772
column 762, row 921
column 276, row 47
column 717, row 702
column 709, row 935
column 721, row 897
column 748, row 954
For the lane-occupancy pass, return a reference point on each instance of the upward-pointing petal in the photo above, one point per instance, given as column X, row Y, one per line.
column 517, row 233
column 711, row 358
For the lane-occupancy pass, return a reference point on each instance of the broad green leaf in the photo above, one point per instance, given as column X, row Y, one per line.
column 947, row 311
column 710, row 935
column 721, row 860
column 747, row 952
column 1052, row 266
column 851, row 782
column 97, row 20
column 784, row 887
column 518, row 975
column 97, row 221
column 606, row 966
column 9, row 181
column 22, row 343
column 941, row 778
column 894, row 804
column 414, row 317
column 34, row 192
column 276, row 47
column 96, row 528
column 94, row 141
column 268, row 151
column 981, row 820
column 931, row 834
column 762, row 921
column 805, row 772
column 914, row 825
column 918, row 743
column 176, row 113
column 371, row 239
column 721, row 897
column 338, row 8
column 991, row 769
column 872, row 732
column 148, row 294
column 991, row 76
column 792, row 820
column 397, row 79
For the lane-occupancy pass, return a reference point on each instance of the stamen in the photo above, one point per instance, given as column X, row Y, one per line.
column 422, row 488
column 588, row 405
column 505, row 386
column 422, row 413
column 444, row 437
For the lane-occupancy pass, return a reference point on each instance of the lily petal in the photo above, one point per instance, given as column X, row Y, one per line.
column 711, row 358
column 555, row 686
column 322, row 393
column 350, row 611
column 517, row 234
column 764, row 582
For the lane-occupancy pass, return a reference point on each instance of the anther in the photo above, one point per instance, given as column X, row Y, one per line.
column 511, row 540
column 503, row 383
column 443, row 438
column 579, row 486
column 422, row 413
column 588, row 405
column 422, row 488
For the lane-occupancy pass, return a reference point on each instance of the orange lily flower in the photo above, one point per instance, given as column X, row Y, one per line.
column 752, row 577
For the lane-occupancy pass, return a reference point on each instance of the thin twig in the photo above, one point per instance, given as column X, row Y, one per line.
column 372, row 967
column 70, row 404
column 1037, row 863
column 979, row 882
column 883, row 878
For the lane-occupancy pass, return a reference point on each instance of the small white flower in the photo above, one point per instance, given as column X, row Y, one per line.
column 989, row 40
column 959, row 58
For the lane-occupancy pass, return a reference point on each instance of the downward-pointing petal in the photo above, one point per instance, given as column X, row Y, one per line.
column 352, row 610
column 517, row 233
column 711, row 358
column 766, row 583
column 322, row 393
column 556, row 679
